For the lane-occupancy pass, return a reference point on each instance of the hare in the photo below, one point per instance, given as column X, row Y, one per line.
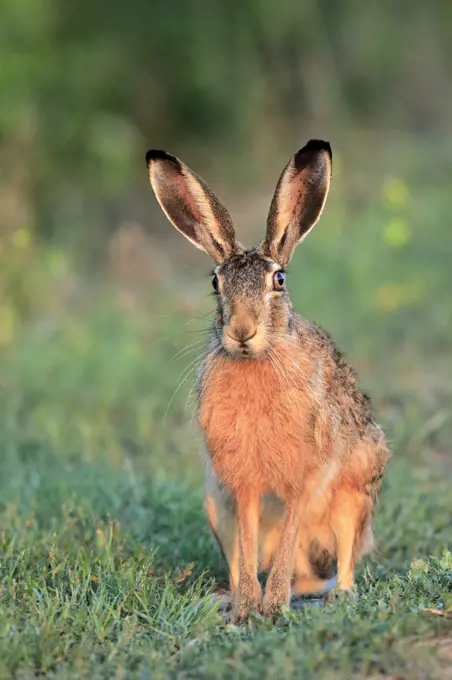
column 295, row 458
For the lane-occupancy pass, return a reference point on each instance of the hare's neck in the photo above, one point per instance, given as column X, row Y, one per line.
column 282, row 370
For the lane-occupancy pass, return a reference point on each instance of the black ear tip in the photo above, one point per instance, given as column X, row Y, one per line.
column 159, row 155
column 310, row 151
column 315, row 145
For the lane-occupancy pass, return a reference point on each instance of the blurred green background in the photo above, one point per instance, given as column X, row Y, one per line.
column 104, row 307
column 92, row 276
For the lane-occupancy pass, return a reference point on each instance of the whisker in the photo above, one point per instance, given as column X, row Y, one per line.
column 191, row 320
column 183, row 325
column 186, row 372
column 192, row 369
column 185, row 350
column 212, row 354
column 188, row 397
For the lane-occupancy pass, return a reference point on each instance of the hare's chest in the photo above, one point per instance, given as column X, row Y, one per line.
column 255, row 425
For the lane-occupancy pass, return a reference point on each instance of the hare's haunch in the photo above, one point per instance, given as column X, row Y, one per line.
column 294, row 458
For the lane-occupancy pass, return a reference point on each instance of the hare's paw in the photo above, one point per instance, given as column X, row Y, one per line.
column 277, row 596
column 248, row 599
column 339, row 596
column 225, row 601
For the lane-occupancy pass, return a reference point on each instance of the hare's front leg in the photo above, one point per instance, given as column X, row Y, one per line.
column 277, row 593
column 249, row 592
column 222, row 518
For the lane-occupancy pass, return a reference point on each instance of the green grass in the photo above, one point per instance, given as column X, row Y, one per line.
column 102, row 576
column 107, row 566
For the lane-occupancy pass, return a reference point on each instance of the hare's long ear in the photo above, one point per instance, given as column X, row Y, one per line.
column 191, row 206
column 298, row 200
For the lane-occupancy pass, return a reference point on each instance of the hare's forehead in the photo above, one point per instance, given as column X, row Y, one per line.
column 247, row 271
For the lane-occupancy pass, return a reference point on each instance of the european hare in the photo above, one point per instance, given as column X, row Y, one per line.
column 295, row 458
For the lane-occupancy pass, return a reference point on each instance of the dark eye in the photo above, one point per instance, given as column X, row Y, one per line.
column 278, row 280
column 215, row 283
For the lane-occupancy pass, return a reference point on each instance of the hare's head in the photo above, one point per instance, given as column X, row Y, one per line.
column 254, row 309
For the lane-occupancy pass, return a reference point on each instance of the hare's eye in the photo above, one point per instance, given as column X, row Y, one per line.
column 278, row 280
column 215, row 283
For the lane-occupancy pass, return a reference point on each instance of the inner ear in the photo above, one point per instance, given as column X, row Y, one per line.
column 191, row 206
column 298, row 200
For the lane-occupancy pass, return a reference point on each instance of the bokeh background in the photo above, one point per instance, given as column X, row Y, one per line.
column 104, row 309
column 98, row 292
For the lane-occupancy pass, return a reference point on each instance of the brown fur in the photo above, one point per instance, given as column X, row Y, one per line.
column 295, row 458
column 290, row 452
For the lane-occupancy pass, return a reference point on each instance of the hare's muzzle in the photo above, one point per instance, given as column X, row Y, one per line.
column 241, row 338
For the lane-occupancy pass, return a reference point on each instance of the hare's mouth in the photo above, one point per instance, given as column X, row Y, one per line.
column 244, row 347
column 243, row 353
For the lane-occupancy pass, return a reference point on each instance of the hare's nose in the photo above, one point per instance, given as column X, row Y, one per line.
column 241, row 335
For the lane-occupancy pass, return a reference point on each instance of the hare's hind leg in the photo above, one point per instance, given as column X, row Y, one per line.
column 351, row 513
column 351, row 517
column 314, row 561
column 306, row 581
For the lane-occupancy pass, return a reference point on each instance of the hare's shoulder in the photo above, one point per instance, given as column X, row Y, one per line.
column 342, row 379
column 317, row 340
